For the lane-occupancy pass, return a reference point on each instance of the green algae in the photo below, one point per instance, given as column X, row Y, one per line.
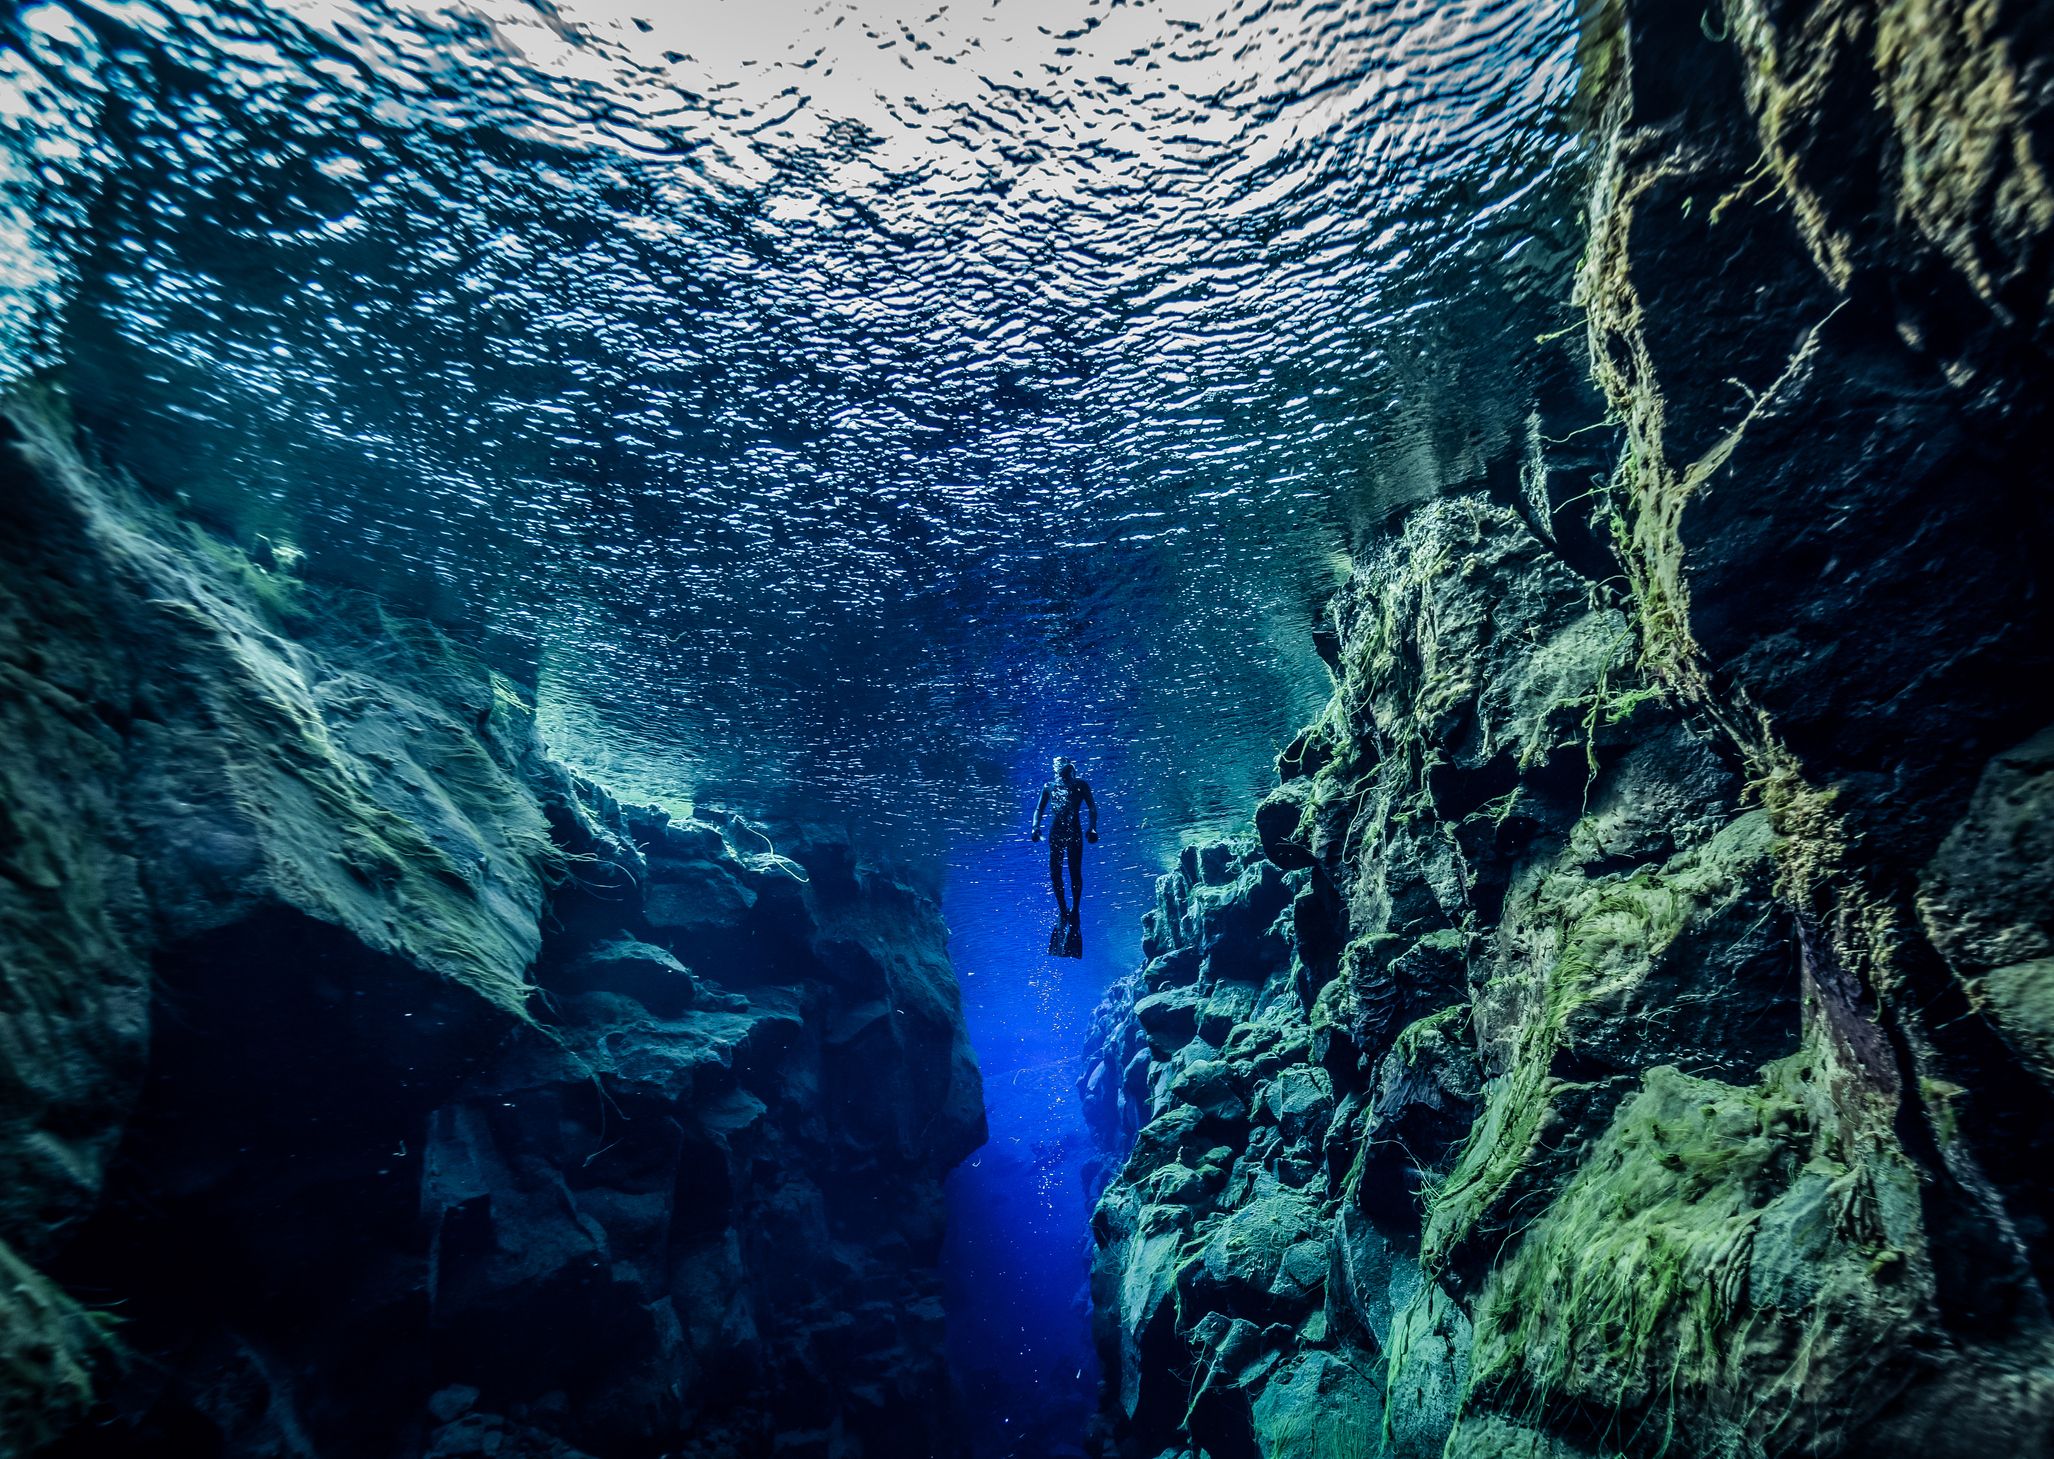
column 276, row 594
column 48, row 1346
column 1490, row 1436
column 1603, row 940
column 1426, row 1356
column 1318, row 1405
column 1435, row 1028
column 1715, row 1267
column 1630, row 1284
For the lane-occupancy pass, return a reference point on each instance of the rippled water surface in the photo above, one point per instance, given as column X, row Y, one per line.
column 842, row 404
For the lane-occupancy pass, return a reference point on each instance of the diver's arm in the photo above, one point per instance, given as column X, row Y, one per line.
column 1092, row 806
column 1040, row 810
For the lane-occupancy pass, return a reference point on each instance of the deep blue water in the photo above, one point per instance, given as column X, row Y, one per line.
column 1019, row 1210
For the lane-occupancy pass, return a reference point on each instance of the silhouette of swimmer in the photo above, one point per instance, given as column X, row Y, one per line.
column 1065, row 800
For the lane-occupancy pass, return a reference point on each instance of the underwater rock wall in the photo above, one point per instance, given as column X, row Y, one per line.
column 376, row 1087
column 1625, row 1030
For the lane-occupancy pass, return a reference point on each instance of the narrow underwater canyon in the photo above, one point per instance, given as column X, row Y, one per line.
column 1621, row 1023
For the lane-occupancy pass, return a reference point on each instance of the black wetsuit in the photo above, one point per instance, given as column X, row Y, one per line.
column 1066, row 801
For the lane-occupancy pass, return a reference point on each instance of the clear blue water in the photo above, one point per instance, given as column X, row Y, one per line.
column 828, row 398
column 1019, row 1210
column 838, row 406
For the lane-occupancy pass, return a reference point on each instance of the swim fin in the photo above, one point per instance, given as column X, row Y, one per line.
column 1066, row 939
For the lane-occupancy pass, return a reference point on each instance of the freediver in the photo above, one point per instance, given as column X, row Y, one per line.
column 1065, row 800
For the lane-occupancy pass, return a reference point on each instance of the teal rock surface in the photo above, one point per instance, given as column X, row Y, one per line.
column 1624, row 1028
column 371, row 1079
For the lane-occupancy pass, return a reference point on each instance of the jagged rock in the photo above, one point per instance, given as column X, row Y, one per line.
column 1487, row 1436
column 1170, row 1018
column 1318, row 1403
column 1685, row 961
column 1177, row 968
column 467, row 1127
column 1427, row 1380
column 1277, row 825
column 491, row 1436
column 237, row 774
column 693, row 897
column 1426, row 1089
column 1213, row 1088
column 1230, row 1005
column 1692, row 1216
column 1658, row 1119
column 638, row 970
column 449, row 1404
column 1300, row 1102
column 1264, row 1252
column 1987, row 899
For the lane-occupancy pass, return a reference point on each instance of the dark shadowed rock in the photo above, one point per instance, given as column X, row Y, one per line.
column 468, row 1113
column 1278, row 825
column 1987, row 899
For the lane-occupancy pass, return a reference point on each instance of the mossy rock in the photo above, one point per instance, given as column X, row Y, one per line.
column 1689, row 960
column 1986, row 899
column 1488, row 1436
column 1280, row 825
column 1320, row 1405
column 48, row 1345
column 1265, row 1257
column 1717, row 1272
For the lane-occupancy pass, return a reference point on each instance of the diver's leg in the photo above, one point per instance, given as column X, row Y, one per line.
column 1077, row 876
column 1055, row 874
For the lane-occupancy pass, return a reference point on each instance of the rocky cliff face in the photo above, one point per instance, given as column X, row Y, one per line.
column 375, row 1087
column 1626, row 1029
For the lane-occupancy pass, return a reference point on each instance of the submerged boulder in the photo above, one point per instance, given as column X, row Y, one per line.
column 1986, row 899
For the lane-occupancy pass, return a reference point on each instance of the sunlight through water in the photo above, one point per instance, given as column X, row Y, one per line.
column 828, row 402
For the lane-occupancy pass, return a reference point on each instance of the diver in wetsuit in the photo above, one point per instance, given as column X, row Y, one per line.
column 1068, row 796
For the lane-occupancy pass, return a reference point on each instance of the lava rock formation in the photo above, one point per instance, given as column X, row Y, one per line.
column 374, row 1086
column 1626, row 1029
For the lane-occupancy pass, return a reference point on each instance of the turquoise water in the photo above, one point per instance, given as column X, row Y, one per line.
column 832, row 400
column 837, row 408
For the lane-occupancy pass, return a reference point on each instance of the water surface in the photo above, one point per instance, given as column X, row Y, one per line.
column 837, row 408
column 829, row 400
